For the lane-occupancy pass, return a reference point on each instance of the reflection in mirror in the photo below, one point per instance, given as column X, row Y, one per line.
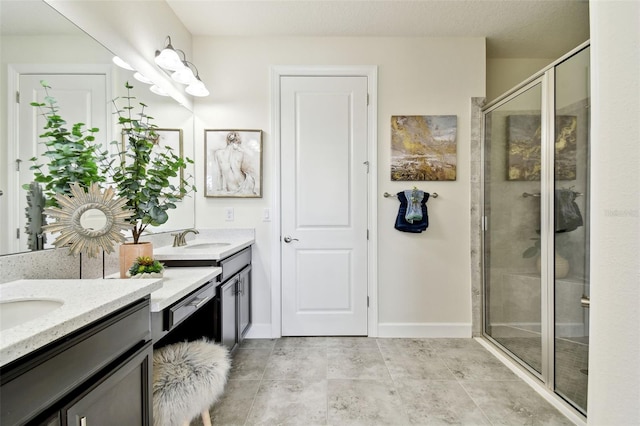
column 93, row 220
column 36, row 238
column 37, row 43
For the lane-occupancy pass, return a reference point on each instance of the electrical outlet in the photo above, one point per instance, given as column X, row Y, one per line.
column 229, row 214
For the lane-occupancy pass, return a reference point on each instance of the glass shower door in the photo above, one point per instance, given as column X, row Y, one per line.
column 513, row 292
column 571, row 174
column 536, row 227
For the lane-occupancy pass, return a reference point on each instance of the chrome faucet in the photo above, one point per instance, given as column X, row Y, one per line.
column 179, row 239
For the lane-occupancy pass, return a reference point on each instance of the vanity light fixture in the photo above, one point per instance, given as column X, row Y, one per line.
column 181, row 70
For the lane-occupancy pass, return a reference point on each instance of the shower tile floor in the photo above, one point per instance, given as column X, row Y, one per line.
column 367, row 381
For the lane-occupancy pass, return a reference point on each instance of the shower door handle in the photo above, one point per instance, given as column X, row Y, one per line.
column 585, row 301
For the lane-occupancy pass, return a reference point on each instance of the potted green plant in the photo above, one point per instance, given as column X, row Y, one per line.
column 73, row 155
column 147, row 175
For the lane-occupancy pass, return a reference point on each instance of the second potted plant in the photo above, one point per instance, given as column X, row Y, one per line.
column 141, row 172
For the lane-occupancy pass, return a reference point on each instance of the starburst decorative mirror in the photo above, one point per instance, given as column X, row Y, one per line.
column 88, row 221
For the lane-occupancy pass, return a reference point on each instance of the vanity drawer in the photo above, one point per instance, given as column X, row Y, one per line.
column 182, row 309
column 233, row 264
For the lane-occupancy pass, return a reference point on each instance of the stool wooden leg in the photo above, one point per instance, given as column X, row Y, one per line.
column 206, row 419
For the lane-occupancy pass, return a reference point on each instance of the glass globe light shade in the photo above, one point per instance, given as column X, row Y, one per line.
column 122, row 64
column 184, row 76
column 169, row 59
column 142, row 78
column 158, row 90
column 197, row 89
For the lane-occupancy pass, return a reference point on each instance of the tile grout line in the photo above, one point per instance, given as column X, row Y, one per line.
column 253, row 401
column 393, row 381
column 459, row 381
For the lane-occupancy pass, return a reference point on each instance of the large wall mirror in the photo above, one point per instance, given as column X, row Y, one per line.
column 37, row 42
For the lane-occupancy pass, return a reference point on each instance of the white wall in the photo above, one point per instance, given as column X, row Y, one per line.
column 424, row 279
column 133, row 30
column 614, row 357
column 503, row 74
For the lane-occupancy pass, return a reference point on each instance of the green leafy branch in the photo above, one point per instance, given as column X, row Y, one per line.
column 141, row 170
column 73, row 154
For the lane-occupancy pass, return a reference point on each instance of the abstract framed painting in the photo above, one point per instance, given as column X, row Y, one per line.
column 423, row 147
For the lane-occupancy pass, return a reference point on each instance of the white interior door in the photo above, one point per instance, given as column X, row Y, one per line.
column 324, row 205
column 81, row 98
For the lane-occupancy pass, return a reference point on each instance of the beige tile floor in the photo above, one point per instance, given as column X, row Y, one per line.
column 367, row 381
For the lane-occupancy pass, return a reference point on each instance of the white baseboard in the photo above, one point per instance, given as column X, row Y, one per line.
column 418, row 330
column 413, row 330
column 259, row 331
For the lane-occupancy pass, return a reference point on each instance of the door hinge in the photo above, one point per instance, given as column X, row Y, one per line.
column 17, row 97
column 367, row 99
column 367, row 234
column 484, row 223
column 17, row 233
column 367, row 301
column 18, row 161
column 366, row 163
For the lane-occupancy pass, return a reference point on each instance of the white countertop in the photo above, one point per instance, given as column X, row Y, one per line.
column 88, row 300
column 84, row 301
column 178, row 282
column 234, row 245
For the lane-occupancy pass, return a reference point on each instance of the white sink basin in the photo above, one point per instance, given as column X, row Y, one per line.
column 16, row 312
column 205, row 245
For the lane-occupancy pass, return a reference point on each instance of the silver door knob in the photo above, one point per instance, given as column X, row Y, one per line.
column 288, row 239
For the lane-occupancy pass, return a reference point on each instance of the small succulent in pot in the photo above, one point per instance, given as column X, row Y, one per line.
column 146, row 265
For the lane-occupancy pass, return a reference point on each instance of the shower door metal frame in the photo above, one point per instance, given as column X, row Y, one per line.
column 545, row 77
column 546, row 295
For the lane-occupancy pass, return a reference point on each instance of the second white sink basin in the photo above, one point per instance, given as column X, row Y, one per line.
column 205, row 245
column 16, row 312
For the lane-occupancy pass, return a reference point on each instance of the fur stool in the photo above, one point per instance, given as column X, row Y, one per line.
column 188, row 378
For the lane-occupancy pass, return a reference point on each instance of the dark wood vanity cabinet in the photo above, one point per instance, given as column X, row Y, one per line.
column 120, row 397
column 233, row 299
column 219, row 310
column 98, row 375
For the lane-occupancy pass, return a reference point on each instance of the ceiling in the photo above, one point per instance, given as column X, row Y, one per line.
column 513, row 28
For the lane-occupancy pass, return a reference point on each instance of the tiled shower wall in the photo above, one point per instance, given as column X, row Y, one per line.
column 476, row 215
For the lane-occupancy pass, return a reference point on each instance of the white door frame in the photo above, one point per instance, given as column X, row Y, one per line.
column 371, row 72
column 13, row 76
